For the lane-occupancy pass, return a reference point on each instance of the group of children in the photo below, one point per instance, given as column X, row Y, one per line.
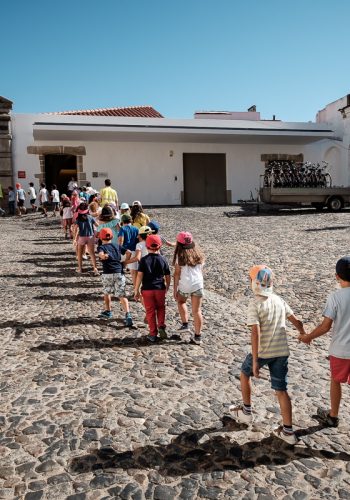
column 124, row 239
column 128, row 241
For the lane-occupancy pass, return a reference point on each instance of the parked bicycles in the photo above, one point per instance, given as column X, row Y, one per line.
column 289, row 174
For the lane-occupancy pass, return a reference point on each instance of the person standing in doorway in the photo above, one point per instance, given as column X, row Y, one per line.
column 32, row 196
column 72, row 184
column 109, row 195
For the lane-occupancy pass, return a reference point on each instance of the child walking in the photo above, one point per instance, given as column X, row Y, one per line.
column 267, row 314
column 154, row 276
column 113, row 279
column 188, row 281
column 32, row 196
column 85, row 236
column 128, row 237
column 67, row 217
column 337, row 315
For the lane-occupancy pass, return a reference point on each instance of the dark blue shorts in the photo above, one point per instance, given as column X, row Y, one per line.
column 278, row 370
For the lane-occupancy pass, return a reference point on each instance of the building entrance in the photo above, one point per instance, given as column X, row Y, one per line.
column 204, row 179
column 59, row 169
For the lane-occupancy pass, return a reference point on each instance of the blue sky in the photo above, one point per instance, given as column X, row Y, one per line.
column 289, row 57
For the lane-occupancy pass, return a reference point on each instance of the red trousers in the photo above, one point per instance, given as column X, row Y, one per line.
column 154, row 301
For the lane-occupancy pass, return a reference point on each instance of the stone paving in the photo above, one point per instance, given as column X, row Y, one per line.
column 90, row 411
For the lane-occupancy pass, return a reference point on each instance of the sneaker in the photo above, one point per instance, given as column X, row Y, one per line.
column 105, row 315
column 183, row 327
column 326, row 419
column 162, row 333
column 238, row 414
column 289, row 438
column 197, row 339
column 128, row 320
column 85, row 257
column 151, row 338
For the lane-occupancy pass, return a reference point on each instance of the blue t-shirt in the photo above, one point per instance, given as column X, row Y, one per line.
column 12, row 196
column 130, row 234
column 154, row 267
column 113, row 224
column 113, row 264
column 86, row 227
column 21, row 194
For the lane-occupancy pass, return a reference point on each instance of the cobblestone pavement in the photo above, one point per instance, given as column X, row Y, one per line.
column 89, row 411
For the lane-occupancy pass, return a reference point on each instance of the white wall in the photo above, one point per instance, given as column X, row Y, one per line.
column 146, row 171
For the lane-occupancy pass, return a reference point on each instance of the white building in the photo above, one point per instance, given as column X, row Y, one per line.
column 214, row 158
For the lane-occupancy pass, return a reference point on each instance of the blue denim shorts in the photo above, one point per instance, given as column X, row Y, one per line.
column 278, row 370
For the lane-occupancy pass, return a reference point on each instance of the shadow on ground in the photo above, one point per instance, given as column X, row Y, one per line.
column 20, row 327
column 196, row 451
column 330, row 228
column 74, row 345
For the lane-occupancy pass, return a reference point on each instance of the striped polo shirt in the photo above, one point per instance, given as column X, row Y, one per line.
column 270, row 314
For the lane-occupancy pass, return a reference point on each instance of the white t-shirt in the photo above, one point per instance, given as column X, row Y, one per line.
column 270, row 313
column 55, row 196
column 43, row 195
column 72, row 185
column 90, row 190
column 32, row 193
column 338, row 309
column 67, row 213
column 191, row 278
column 141, row 245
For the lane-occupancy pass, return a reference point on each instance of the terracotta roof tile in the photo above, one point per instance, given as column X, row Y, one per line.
column 133, row 111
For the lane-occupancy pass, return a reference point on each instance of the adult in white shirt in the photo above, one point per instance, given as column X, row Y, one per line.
column 55, row 198
column 72, row 184
column 44, row 198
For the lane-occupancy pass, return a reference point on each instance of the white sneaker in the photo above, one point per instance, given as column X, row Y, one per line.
column 238, row 414
column 288, row 438
column 85, row 257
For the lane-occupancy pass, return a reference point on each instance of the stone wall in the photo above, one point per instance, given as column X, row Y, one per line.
column 6, row 172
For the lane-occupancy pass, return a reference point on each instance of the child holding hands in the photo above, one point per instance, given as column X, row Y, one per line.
column 336, row 315
column 267, row 314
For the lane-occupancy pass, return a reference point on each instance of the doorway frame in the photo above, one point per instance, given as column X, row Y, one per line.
column 78, row 151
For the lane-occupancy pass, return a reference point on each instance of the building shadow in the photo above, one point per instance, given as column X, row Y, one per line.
column 49, row 260
column 47, row 254
column 43, row 274
column 330, row 228
column 75, row 345
column 79, row 297
column 20, row 326
column 67, row 284
column 196, row 451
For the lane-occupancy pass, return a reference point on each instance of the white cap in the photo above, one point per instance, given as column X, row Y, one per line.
column 124, row 206
column 137, row 203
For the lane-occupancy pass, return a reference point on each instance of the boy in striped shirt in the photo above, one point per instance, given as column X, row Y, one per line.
column 267, row 314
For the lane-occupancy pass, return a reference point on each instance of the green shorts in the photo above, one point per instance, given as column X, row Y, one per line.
column 196, row 293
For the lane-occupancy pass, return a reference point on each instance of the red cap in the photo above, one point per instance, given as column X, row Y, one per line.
column 106, row 234
column 153, row 241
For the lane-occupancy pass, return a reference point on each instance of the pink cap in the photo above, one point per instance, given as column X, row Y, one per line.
column 184, row 238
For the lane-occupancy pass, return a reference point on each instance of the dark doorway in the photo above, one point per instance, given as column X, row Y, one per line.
column 59, row 169
column 204, row 179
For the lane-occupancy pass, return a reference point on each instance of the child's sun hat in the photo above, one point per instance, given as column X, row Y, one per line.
column 106, row 233
column 145, row 230
column 124, row 206
column 261, row 277
column 185, row 239
column 153, row 242
column 154, row 226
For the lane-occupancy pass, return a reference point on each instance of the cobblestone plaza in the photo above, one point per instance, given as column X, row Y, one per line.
column 90, row 411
